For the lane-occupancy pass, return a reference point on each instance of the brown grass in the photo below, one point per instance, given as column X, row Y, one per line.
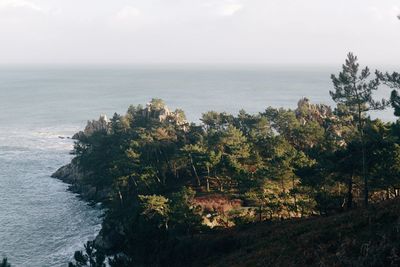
column 217, row 203
column 357, row 238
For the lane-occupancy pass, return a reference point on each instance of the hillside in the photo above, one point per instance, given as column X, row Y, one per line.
column 170, row 187
column 181, row 194
column 355, row 238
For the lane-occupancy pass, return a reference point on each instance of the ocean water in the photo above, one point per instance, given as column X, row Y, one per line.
column 41, row 223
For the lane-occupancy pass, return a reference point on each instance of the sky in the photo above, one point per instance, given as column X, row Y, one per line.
column 198, row 31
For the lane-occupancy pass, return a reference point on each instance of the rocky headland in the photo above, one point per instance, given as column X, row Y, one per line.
column 74, row 175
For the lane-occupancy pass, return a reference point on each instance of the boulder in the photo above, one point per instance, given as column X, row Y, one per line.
column 69, row 173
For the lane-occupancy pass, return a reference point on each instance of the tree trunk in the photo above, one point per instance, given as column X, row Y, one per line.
column 195, row 171
column 350, row 192
column 121, row 198
column 208, row 179
column 361, row 131
column 366, row 191
column 294, row 197
column 363, row 152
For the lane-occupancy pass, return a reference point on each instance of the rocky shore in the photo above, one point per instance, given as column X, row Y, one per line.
column 108, row 236
column 72, row 175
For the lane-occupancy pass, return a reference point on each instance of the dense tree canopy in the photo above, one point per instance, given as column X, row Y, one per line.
column 166, row 179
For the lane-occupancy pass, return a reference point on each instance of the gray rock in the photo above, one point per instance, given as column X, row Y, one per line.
column 69, row 173
column 100, row 125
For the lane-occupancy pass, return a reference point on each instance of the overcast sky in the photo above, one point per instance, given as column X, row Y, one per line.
column 198, row 31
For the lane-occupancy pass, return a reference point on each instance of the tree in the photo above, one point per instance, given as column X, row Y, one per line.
column 90, row 257
column 5, row 263
column 354, row 90
column 393, row 81
column 197, row 154
column 278, row 164
column 156, row 208
column 234, row 149
column 185, row 218
column 385, row 158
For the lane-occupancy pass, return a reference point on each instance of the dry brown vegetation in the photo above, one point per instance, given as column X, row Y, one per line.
column 356, row 238
column 217, row 203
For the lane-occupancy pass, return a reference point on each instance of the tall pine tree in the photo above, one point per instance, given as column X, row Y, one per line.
column 353, row 89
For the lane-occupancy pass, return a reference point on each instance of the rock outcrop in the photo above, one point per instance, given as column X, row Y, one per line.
column 69, row 173
column 100, row 125
column 74, row 176
column 323, row 115
column 111, row 235
column 313, row 112
column 156, row 109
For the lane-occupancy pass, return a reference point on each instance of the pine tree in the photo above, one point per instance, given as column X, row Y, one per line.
column 354, row 90
column 5, row 263
column 393, row 81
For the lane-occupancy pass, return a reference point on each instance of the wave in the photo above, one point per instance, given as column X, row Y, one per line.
column 44, row 138
column 42, row 223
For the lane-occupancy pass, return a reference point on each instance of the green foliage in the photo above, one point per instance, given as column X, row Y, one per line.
column 156, row 209
column 89, row 257
column 279, row 164
column 157, row 104
column 393, row 81
column 5, row 263
column 353, row 89
column 185, row 217
column 395, row 101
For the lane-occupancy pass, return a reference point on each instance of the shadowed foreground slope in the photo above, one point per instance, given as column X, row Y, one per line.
column 356, row 238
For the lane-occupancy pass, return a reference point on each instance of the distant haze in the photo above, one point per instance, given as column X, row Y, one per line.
column 198, row 31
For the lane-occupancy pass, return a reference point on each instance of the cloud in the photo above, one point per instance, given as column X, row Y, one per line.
column 231, row 9
column 387, row 13
column 127, row 13
column 395, row 11
column 375, row 12
column 17, row 4
column 224, row 8
column 127, row 18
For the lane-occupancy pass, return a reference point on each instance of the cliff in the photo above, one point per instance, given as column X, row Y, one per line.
column 73, row 175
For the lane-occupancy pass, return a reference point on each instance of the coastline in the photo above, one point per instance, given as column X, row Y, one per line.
column 71, row 175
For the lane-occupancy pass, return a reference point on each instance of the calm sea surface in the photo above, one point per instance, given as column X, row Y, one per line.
column 41, row 223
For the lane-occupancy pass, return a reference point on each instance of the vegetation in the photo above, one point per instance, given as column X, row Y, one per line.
column 169, row 186
column 361, row 237
column 5, row 263
column 354, row 90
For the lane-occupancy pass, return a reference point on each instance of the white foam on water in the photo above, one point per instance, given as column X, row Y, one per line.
column 42, row 223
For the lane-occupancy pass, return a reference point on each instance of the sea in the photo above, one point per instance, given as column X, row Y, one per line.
column 41, row 222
